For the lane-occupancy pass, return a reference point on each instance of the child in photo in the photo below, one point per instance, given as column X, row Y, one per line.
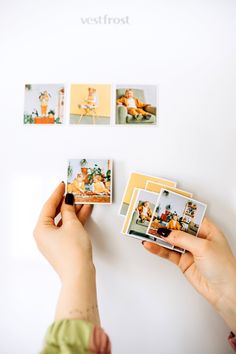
column 77, row 185
column 90, row 101
column 174, row 224
column 44, row 98
column 145, row 212
column 134, row 105
column 98, row 186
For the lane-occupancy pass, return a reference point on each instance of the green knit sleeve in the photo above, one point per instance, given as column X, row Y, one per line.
column 75, row 336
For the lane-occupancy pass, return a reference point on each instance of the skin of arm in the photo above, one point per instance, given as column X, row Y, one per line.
column 209, row 265
column 68, row 249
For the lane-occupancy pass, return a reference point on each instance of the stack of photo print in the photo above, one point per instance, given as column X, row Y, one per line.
column 150, row 203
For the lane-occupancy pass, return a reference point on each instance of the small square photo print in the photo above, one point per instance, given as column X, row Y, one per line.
column 176, row 212
column 140, row 213
column 90, row 104
column 44, row 104
column 90, row 181
column 136, row 104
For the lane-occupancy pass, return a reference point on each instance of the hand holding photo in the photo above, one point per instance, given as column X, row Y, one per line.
column 176, row 212
column 90, row 181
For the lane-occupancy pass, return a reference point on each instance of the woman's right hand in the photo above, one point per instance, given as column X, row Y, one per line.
column 209, row 265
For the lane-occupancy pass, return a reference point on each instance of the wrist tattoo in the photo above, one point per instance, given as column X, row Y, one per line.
column 85, row 313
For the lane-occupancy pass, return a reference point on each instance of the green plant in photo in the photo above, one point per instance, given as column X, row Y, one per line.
column 28, row 119
column 83, row 163
column 96, row 170
column 57, row 120
column 69, row 171
column 35, row 113
column 108, row 176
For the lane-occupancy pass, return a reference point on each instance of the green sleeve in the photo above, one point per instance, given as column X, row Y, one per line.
column 75, row 337
column 67, row 337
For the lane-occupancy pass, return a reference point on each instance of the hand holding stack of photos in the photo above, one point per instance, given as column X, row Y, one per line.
column 150, row 203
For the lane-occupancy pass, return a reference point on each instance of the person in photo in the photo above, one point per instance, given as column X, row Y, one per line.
column 98, row 186
column 77, row 185
column 174, row 224
column 134, row 105
column 44, row 98
column 90, row 101
column 145, row 212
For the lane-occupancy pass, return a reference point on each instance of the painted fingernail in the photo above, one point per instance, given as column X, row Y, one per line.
column 63, row 182
column 163, row 232
column 69, row 199
column 143, row 242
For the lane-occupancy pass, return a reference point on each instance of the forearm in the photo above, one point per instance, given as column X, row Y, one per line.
column 227, row 310
column 226, row 305
column 78, row 297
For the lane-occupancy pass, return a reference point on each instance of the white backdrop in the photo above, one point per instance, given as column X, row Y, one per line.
column 187, row 47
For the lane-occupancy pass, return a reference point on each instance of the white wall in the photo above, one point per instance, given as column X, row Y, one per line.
column 188, row 48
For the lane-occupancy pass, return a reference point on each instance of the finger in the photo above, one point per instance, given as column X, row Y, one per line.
column 186, row 241
column 85, row 213
column 59, row 224
column 162, row 252
column 204, row 230
column 50, row 208
column 68, row 209
column 209, row 231
column 58, row 210
column 77, row 208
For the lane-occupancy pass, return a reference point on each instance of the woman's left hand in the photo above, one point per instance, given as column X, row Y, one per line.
column 66, row 245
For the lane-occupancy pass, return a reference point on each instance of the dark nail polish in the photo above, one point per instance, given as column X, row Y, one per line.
column 143, row 242
column 69, row 199
column 163, row 232
column 63, row 182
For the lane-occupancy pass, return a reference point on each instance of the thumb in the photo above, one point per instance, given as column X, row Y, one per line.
column 68, row 209
column 184, row 240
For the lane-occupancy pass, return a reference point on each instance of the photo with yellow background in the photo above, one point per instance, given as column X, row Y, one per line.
column 138, row 180
column 102, row 107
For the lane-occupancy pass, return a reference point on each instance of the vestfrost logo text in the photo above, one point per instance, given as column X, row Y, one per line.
column 105, row 20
